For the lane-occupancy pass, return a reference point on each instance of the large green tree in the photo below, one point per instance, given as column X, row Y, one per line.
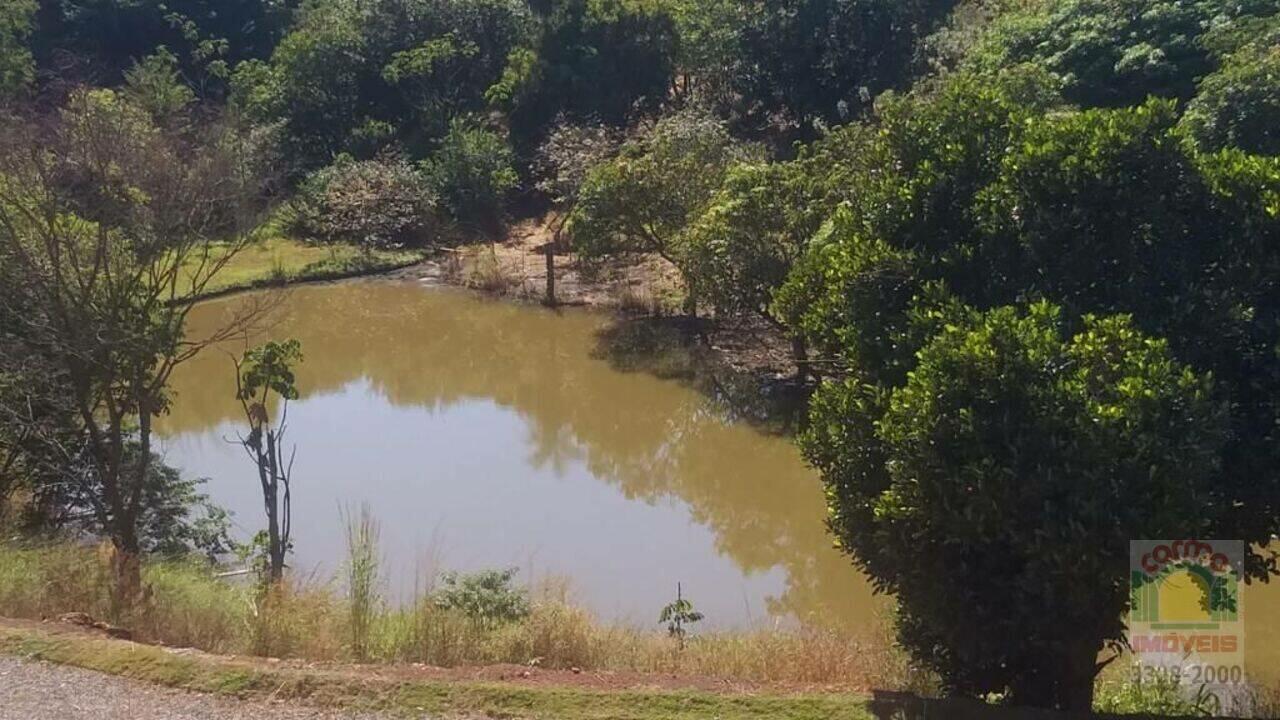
column 643, row 199
column 1056, row 332
column 107, row 230
column 1238, row 104
column 591, row 60
column 17, row 67
column 356, row 76
column 103, row 38
column 996, row 490
column 806, row 64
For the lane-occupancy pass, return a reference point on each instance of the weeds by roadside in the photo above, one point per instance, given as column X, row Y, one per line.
column 483, row 623
column 187, row 605
column 414, row 695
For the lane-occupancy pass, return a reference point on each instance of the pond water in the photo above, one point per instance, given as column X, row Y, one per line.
column 485, row 434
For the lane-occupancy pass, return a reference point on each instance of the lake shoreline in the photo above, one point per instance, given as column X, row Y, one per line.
column 723, row 357
column 643, row 294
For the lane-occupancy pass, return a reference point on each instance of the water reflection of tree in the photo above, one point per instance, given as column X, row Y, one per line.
column 652, row 439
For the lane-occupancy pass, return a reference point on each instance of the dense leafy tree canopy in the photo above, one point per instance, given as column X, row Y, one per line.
column 814, row 63
column 1113, row 53
column 1012, row 441
column 1159, row 263
column 355, row 76
column 100, row 39
column 16, row 65
column 1238, row 105
column 708, row 31
column 592, row 60
column 473, row 173
column 643, row 199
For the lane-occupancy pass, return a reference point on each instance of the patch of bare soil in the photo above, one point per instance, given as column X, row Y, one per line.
column 515, row 266
column 644, row 288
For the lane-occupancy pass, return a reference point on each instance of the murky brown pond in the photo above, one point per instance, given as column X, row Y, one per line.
column 485, row 434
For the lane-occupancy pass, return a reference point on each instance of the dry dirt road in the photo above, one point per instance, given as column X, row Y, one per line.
column 41, row 691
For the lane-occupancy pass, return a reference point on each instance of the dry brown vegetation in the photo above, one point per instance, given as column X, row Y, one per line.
column 186, row 606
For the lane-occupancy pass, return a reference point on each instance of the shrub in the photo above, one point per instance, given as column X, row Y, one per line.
column 1160, row 695
column 155, row 85
column 17, row 69
column 568, row 154
column 372, row 203
column 488, row 597
column 472, row 173
column 356, row 76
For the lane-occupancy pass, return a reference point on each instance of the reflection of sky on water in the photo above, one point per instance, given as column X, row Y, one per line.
column 469, row 498
column 488, row 435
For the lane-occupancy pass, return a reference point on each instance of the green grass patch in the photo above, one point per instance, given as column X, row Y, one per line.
column 280, row 260
column 211, row 674
column 275, row 258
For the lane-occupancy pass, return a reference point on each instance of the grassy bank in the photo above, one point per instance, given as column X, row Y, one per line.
column 556, row 662
column 188, row 606
column 342, row 688
column 274, row 258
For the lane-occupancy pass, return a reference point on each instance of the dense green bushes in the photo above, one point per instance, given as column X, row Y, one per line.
column 377, row 203
column 17, row 67
column 473, row 173
column 99, row 40
column 1237, row 105
column 354, row 77
column 1114, row 53
column 591, row 60
column 819, row 63
column 641, row 200
column 388, row 201
column 966, row 411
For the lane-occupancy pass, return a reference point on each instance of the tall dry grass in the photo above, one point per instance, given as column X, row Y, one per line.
column 363, row 563
column 487, row 272
column 188, row 605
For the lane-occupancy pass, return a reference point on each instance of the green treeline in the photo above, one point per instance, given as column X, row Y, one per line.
column 1026, row 251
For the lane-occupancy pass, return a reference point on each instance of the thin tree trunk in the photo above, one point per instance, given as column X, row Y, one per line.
column 690, row 301
column 128, row 556
column 275, row 542
column 800, row 353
